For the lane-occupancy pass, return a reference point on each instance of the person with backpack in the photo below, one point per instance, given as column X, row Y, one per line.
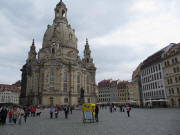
column 96, row 113
column 51, row 112
column 128, row 109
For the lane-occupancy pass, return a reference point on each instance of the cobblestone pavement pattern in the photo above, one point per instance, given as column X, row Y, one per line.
column 141, row 122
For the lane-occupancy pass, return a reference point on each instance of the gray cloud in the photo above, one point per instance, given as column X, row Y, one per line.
column 22, row 20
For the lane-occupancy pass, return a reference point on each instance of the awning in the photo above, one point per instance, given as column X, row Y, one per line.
column 156, row 100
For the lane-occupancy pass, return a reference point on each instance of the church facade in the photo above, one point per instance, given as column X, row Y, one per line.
column 56, row 74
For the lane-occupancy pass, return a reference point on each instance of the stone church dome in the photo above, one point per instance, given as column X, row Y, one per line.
column 60, row 32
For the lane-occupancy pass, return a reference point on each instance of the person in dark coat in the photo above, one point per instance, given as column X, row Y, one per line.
column 3, row 115
column 66, row 111
column 128, row 109
column 26, row 113
column 96, row 113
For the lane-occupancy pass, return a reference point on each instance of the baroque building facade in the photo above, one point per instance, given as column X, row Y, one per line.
column 136, row 84
column 123, row 92
column 171, row 68
column 57, row 75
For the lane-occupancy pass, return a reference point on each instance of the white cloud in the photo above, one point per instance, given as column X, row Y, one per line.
column 145, row 6
column 159, row 30
column 142, row 26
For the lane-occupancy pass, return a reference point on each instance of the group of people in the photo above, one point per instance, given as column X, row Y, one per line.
column 16, row 114
column 122, row 108
column 55, row 110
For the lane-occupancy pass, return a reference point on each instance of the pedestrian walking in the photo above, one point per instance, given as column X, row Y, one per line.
column 51, row 112
column 71, row 108
column 128, row 110
column 26, row 113
column 21, row 114
column 10, row 115
column 120, row 107
column 56, row 112
column 110, row 107
column 3, row 115
column 96, row 113
column 15, row 115
column 66, row 111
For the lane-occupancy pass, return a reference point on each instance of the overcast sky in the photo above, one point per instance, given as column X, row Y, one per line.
column 121, row 33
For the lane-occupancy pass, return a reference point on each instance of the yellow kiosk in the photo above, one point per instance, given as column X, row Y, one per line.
column 88, row 111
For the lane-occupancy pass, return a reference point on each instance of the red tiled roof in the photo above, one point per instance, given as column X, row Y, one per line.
column 123, row 83
column 8, row 87
column 174, row 47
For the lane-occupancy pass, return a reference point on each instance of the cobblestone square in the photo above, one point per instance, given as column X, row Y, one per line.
column 141, row 122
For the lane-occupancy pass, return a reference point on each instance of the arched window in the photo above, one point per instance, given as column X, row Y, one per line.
column 63, row 13
column 53, row 51
column 65, row 81
column 52, row 76
column 52, row 81
column 70, row 36
column 78, row 82
column 87, row 84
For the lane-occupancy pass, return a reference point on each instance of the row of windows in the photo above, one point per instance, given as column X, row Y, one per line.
column 153, row 77
column 125, row 94
column 151, row 70
column 173, row 61
column 104, row 100
column 122, row 90
column 8, row 97
column 102, row 92
column 154, row 93
column 65, row 88
column 172, row 91
column 176, row 80
column 176, row 69
column 153, row 85
column 105, row 95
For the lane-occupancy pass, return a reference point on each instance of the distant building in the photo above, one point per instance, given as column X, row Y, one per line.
column 152, row 80
column 115, row 91
column 171, row 68
column 9, row 94
column 104, row 92
column 123, row 92
column 136, row 84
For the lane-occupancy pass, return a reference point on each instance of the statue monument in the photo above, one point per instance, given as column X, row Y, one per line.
column 82, row 96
